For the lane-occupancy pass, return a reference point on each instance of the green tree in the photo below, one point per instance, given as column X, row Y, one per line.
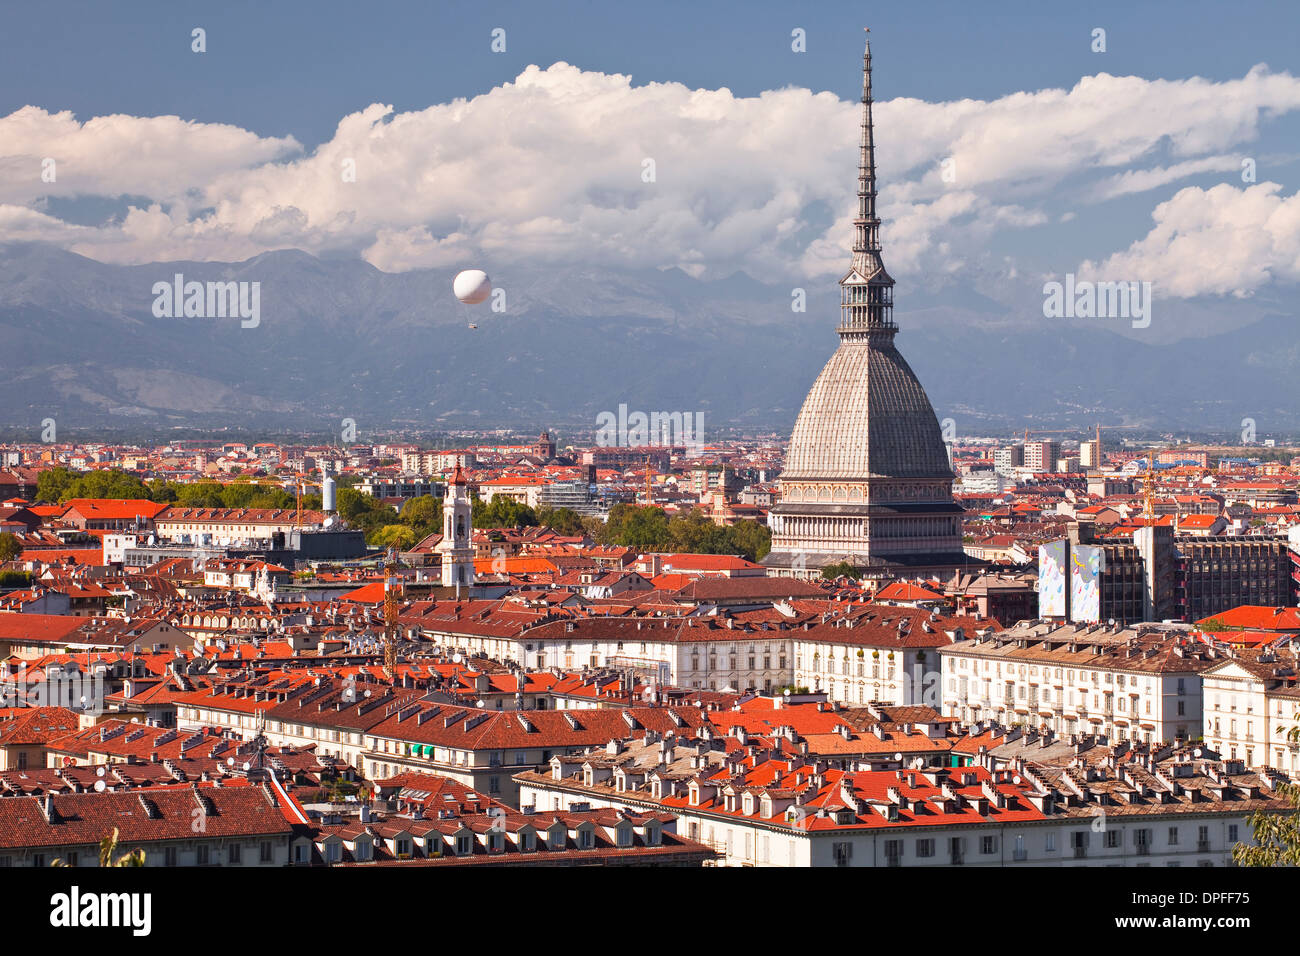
column 163, row 492
column 561, row 520
column 1277, row 833
column 695, row 533
column 10, row 546
column 644, row 528
column 57, row 485
column 393, row 536
column 107, row 851
column 201, row 494
column 750, row 539
column 502, row 512
column 841, row 570
column 423, row 515
column 53, row 483
column 352, row 504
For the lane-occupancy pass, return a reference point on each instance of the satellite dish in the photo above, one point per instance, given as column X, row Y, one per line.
column 99, row 772
column 1016, row 779
column 367, row 693
column 247, row 765
column 230, row 761
column 898, row 756
column 100, row 786
column 1196, row 752
column 456, row 658
column 481, row 703
column 472, row 286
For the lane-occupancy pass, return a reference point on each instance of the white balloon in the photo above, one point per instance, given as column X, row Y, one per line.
column 472, row 286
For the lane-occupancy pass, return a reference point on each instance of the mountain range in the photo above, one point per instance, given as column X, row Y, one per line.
column 337, row 338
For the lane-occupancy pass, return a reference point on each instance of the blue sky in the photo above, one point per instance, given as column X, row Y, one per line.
column 294, row 68
column 279, row 77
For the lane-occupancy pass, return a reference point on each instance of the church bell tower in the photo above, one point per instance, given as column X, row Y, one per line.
column 455, row 548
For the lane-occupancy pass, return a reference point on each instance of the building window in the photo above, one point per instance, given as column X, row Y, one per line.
column 893, row 852
column 988, row 845
column 169, row 856
column 925, row 848
column 266, row 854
column 201, row 854
column 232, row 854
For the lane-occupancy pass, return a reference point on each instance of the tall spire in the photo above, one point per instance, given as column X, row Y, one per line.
column 867, row 291
column 867, row 226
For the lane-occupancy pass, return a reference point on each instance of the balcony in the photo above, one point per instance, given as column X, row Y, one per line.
column 1202, row 846
column 1080, row 852
column 1020, row 855
column 1143, row 849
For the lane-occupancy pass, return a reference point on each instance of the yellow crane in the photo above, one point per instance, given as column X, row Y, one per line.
column 298, row 485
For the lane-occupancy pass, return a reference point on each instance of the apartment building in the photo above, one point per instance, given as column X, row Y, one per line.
column 178, row 523
column 484, row 750
column 1252, row 702
column 191, row 826
column 1007, row 458
column 1041, row 456
column 1141, row 684
column 1158, row 575
column 877, row 653
column 760, row 809
column 706, row 653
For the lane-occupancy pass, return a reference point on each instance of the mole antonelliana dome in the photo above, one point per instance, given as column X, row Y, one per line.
column 867, row 479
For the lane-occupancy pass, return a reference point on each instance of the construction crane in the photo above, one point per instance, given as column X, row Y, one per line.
column 1047, row 431
column 392, row 605
column 1149, row 491
column 298, row 486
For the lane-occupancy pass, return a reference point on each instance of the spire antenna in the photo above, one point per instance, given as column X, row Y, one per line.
column 867, row 292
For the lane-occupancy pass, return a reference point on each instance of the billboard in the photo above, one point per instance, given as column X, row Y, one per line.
column 1087, row 562
column 1051, row 579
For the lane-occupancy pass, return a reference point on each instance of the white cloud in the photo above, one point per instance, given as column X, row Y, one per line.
column 549, row 168
column 162, row 157
column 1142, row 180
column 1218, row 241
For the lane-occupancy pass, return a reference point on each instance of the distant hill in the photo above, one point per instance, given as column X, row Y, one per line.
column 340, row 339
